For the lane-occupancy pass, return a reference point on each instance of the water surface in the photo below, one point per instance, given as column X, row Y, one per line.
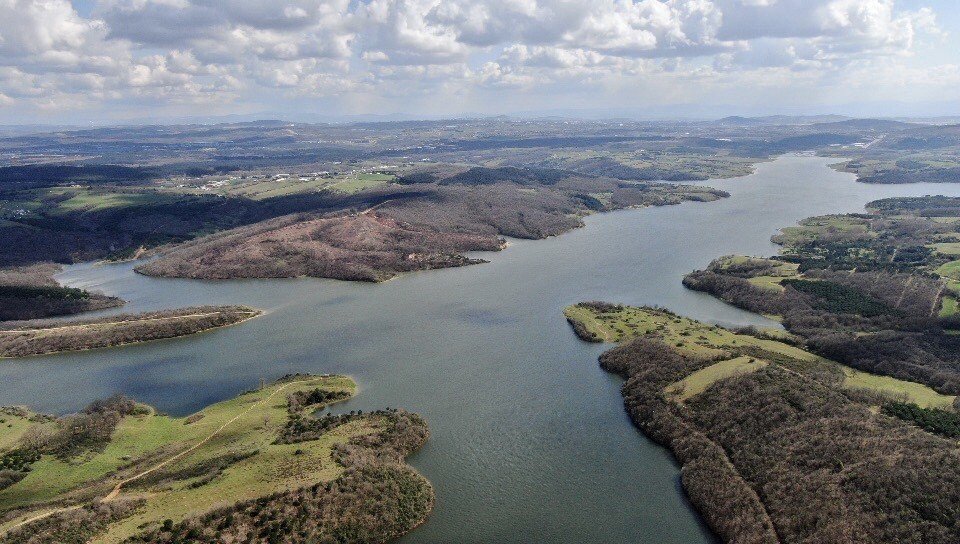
column 529, row 438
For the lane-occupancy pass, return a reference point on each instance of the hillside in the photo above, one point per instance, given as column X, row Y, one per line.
column 30, row 292
column 464, row 211
column 257, row 467
column 777, row 445
column 877, row 292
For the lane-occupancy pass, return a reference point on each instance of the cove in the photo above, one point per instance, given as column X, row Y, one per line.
column 529, row 438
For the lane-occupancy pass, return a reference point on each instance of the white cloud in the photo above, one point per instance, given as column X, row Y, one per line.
column 179, row 51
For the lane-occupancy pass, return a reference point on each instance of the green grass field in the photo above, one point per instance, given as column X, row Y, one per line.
column 949, row 306
column 815, row 227
column 361, row 182
column 62, row 200
column 771, row 272
column 951, row 249
column 246, row 425
column 768, row 282
column 950, row 270
column 699, row 381
column 13, row 424
column 684, row 333
column 921, row 395
column 260, row 190
column 90, row 200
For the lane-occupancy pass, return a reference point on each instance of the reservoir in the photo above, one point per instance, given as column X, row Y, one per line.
column 529, row 439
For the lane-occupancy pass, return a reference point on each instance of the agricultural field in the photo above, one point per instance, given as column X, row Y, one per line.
column 58, row 201
column 169, row 468
column 360, row 182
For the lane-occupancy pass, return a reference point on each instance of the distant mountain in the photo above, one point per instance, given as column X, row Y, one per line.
column 737, row 120
column 924, row 137
column 865, row 124
column 774, row 120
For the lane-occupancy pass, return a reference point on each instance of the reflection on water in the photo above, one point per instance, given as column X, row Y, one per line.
column 529, row 438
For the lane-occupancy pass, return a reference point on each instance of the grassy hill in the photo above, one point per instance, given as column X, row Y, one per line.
column 121, row 471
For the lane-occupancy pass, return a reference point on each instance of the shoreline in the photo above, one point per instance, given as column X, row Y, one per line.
column 253, row 315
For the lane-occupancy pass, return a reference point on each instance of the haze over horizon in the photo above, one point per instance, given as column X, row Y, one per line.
column 107, row 61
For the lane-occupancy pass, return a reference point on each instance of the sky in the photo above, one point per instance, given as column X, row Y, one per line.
column 104, row 61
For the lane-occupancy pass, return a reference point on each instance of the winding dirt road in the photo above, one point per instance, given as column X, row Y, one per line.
column 115, row 492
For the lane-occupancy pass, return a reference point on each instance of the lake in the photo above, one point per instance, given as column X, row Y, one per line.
column 529, row 438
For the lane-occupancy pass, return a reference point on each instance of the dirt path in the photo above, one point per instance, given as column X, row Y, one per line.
column 42, row 516
column 374, row 207
column 115, row 492
column 936, row 299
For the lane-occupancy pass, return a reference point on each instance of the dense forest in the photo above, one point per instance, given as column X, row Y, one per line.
column 876, row 291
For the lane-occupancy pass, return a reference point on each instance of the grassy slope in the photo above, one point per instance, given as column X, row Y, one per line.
column 694, row 337
column 12, row 426
column 919, row 394
column 361, row 182
column 815, row 227
column 140, row 441
column 779, row 272
column 699, row 381
column 950, row 270
column 949, row 306
column 946, row 248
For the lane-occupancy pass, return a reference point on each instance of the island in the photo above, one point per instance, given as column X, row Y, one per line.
column 777, row 444
column 38, row 337
column 260, row 467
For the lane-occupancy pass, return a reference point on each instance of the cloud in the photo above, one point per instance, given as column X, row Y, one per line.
column 178, row 51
